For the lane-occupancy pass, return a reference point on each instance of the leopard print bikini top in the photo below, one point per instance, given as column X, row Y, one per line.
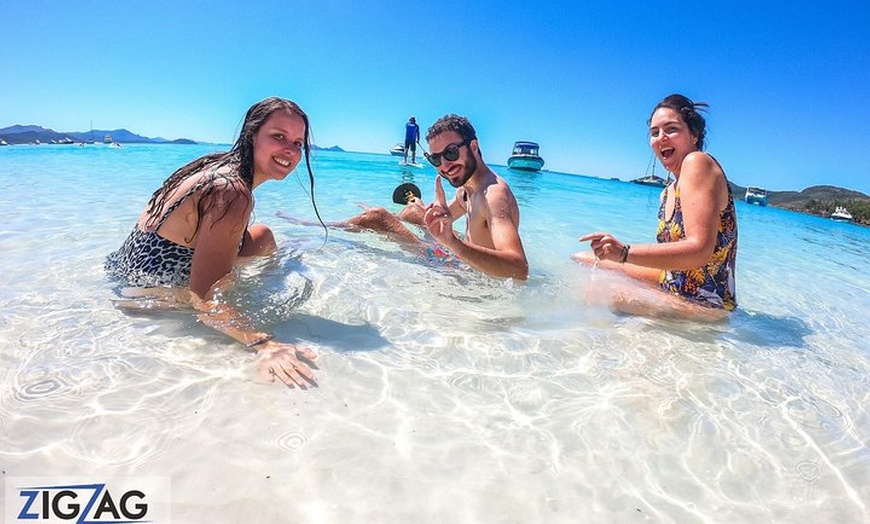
column 146, row 259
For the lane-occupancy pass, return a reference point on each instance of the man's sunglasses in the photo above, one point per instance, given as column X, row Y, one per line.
column 450, row 153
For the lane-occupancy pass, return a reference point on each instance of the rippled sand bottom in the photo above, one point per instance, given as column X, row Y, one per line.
column 481, row 403
column 443, row 396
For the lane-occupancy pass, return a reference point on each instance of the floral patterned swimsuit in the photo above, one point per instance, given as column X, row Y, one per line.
column 711, row 285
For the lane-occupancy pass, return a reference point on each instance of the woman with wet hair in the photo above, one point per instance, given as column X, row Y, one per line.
column 694, row 259
column 196, row 227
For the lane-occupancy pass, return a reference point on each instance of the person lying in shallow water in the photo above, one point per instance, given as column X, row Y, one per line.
column 195, row 229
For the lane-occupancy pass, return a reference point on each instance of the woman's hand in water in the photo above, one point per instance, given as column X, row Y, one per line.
column 604, row 246
column 585, row 257
column 288, row 363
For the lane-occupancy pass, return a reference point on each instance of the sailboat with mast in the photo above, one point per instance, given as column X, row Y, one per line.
column 651, row 179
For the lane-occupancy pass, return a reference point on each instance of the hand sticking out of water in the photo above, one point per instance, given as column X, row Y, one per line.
column 585, row 257
column 437, row 218
column 286, row 362
column 604, row 247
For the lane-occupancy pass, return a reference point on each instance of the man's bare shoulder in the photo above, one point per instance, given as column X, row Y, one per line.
column 496, row 187
column 501, row 191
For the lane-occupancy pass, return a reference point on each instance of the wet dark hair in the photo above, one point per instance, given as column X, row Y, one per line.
column 688, row 111
column 457, row 123
column 240, row 157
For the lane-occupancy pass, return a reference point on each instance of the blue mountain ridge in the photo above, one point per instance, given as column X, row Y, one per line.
column 26, row 134
column 29, row 134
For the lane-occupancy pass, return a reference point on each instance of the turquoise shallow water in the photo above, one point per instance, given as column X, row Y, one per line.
column 444, row 395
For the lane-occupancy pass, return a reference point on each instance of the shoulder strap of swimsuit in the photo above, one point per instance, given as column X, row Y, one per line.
column 178, row 202
column 718, row 164
column 727, row 184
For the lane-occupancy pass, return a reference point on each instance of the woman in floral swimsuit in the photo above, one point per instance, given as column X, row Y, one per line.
column 195, row 228
column 696, row 254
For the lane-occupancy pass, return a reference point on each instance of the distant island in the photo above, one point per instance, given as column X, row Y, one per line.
column 817, row 200
column 19, row 134
column 823, row 201
column 333, row 148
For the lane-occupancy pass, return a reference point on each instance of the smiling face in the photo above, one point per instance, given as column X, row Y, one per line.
column 458, row 171
column 670, row 138
column 278, row 146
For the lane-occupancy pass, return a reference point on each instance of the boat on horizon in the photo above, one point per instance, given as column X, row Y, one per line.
column 398, row 150
column 651, row 180
column 525, row 156
column 107, row 139
column 755, row 195
column 841, row 214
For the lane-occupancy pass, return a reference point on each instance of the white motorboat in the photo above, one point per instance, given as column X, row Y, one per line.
column 525, row 157
column 398, row 150
column 756, row 195
column 841, row 214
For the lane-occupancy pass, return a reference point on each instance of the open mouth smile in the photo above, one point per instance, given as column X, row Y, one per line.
column 452, row 172
column 281, row 161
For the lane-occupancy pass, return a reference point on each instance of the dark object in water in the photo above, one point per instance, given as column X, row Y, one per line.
column 405, row 192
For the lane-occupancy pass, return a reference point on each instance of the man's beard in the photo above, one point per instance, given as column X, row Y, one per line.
column 468, row 170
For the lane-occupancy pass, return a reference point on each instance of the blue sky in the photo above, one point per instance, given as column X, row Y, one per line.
column 788, row 86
